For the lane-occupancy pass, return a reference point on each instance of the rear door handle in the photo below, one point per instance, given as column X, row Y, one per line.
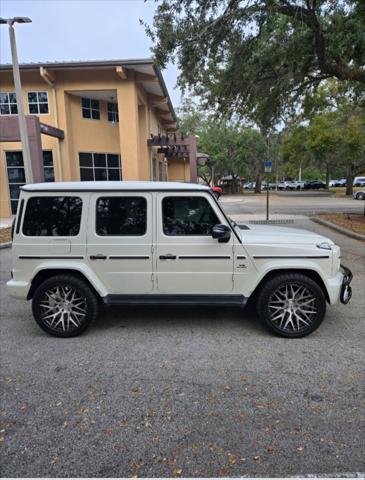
column 168, row 256
column 98, row 257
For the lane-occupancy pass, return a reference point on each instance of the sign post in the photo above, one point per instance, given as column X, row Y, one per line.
column 267, row 169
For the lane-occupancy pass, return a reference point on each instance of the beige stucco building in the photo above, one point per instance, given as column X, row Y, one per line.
column 107, row 111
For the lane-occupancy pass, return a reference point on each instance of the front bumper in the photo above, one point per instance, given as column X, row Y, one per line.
column 346, row 290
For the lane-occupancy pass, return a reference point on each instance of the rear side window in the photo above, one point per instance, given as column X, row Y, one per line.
column 52, row 217
column 188, row 216
column 121, row 216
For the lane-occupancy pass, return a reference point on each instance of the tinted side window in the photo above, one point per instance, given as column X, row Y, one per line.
column 52, row 216
column 121, row 216
column 188, row 216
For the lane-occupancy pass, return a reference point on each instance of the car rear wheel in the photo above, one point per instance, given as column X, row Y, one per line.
column 360, row 196
column 291, row 305
column 64, row 306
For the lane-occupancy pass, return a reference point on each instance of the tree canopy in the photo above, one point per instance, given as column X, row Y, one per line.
column 259, row 59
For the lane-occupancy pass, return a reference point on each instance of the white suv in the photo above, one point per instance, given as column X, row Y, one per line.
column 77, row 245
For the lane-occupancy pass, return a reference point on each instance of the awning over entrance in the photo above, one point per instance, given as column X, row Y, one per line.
column 177, row 147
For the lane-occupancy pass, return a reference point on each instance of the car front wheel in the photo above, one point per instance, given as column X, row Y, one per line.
column 291, row 305
column 360, row 196
column 64, row 306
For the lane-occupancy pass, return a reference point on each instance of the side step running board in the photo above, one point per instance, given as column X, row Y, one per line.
column 168, row 299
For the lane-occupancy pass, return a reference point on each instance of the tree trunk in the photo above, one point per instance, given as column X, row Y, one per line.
column 327, row 176
column 258, row 183
column 349, row 180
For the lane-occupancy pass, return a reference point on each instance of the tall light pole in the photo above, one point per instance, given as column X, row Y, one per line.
column 19, row 99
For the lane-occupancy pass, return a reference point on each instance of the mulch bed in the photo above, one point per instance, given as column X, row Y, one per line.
column 5, row 235
column 354, row 222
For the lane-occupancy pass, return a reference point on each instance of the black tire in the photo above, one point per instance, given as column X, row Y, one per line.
column 272, row 311
column 360, row 196
column 48, row 303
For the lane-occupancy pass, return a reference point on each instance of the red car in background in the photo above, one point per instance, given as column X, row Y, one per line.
column 217, row 191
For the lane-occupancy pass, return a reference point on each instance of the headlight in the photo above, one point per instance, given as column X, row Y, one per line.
column 324, row 246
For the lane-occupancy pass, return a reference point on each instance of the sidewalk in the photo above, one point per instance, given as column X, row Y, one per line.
column 6, row 222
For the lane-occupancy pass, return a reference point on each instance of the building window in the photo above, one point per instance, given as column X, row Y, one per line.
column 8, row 104
column 48, row 167
column 38, row 102
column 99, row 166
column 52, row 217
column 16, row 177
column 121, row 216
column 90, row 108
column 113, row 115
column 16, row 174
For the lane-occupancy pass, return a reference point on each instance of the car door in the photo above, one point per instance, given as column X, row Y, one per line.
column 119, row 245
column 188, row 259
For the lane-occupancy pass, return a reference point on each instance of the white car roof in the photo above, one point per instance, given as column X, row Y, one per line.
column 112, row 186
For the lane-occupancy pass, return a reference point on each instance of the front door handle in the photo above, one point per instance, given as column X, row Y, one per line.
column 168, row 256
column 98, row 257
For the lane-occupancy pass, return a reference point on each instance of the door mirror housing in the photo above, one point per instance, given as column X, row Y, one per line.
column 222, row 232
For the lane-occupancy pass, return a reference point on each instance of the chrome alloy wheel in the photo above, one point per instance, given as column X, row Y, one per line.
column 293, row 307
column 63, row 308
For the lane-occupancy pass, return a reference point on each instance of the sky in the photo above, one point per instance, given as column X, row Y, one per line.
column 82, row 30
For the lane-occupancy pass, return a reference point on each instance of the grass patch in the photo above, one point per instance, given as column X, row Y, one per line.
column 341, row 191
column 354, row 222
column 5, row 235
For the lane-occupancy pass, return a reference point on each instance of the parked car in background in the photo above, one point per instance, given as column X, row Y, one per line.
column 359, row 182
column 338, row 183
column 217, row 191
column 285, row 185
column 290, row 185
column 314, row 185
column 79, row 245
column 360, row 195
column 249, row 185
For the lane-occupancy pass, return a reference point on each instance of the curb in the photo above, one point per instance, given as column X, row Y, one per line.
column 344, row 231
column 5, row 245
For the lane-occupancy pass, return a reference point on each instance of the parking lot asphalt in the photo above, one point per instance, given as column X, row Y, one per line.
column 183, row 391
column 300, row 203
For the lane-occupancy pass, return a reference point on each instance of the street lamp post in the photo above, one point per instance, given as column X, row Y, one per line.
column 19, row 99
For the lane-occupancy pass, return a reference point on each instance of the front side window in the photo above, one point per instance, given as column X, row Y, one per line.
column 121, row 216
column 90, row 108
column 38, row 102
column 113, row 115
column 52, row 217
column 188, row 216
column 8, row 104
column 99, row 166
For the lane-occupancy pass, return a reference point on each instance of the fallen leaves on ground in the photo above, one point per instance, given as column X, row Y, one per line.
column 5, row 235
column 232, row 459
column 354, row 222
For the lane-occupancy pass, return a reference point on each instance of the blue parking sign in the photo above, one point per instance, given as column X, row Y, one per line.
column 268, row 166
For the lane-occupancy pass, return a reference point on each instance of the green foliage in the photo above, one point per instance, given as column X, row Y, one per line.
column 259, row 59
column 332, row 141
column 232, row 150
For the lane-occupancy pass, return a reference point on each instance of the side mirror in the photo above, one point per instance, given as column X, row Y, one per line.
column 222, row 232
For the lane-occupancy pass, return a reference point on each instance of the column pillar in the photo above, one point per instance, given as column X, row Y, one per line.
column 129, row 128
